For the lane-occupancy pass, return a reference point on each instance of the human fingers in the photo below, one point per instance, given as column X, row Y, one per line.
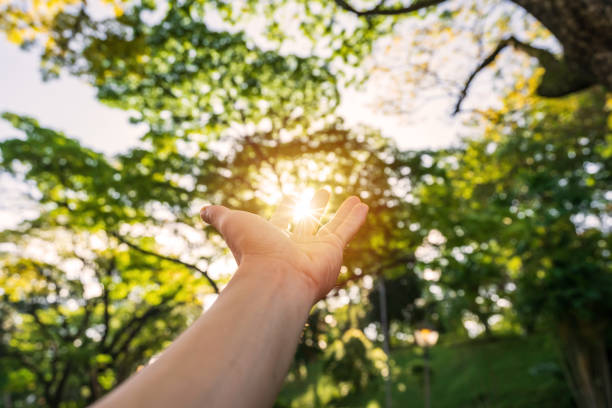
column 308, row 225
column 216, row 215
column 352, row 222
column 341, row 214
column 282, row 215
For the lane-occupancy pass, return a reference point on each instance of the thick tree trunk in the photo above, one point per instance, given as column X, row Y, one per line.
column 587, row 366
column 584, row 29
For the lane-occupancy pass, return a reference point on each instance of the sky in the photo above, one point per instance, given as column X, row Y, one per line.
column 70, row 105
column 66, row 104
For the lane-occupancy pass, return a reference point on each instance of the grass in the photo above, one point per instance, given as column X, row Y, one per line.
column 505, row 372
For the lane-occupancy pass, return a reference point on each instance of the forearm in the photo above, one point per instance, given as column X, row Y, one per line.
column 237, row 353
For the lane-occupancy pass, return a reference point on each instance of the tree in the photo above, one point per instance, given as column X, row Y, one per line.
column 124, row 203
column 564, row 258
column 182, row 78
column 84, row 303
column 242, row 117
column 354, row 361
column 267, row 164
column 512, row 207
column 340, row 31
column 76, row 332
column 582, row 28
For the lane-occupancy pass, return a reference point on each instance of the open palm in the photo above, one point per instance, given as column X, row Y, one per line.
column 313, row 251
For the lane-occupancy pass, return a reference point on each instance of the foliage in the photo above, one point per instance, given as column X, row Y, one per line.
column 26, row 22
column 183, row 78
column 77, row 327
column 520, row 217
column 266, row 165
column 511, row 206
column 115, row 48
column 102, row 214
column 507, row 231
column 507, row 372
column 354, row 362
column 82, row 305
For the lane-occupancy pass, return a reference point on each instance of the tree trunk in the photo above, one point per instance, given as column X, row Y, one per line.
column 426, row 379
column 587, row 366
column 7, row 400
column 94, row 384
column 484, row 319
column 584, row 29
column 384, row 323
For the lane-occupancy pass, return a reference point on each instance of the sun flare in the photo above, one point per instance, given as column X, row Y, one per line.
column 302, row 208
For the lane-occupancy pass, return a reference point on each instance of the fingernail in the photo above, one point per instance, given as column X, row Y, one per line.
column 204, row 213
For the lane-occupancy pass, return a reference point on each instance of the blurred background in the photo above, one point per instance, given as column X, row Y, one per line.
column 478, row 132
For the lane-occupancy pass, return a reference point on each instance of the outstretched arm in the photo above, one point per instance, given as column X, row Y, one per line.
column 237, row 354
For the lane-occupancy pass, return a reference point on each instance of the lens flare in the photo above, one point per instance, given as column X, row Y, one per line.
column 302, row 208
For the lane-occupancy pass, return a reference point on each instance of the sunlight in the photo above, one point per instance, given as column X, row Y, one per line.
column 302, row 209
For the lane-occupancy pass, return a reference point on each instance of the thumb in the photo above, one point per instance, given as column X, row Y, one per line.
column 215, row 215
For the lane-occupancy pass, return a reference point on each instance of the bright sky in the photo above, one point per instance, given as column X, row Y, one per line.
column 70, row 105
column 66, row 104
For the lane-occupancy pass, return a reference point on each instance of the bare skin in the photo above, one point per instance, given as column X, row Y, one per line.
column 237, row 353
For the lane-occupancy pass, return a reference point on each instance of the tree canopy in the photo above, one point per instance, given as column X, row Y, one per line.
column 504, row 233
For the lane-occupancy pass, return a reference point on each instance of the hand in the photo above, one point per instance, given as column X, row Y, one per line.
column 315, row 254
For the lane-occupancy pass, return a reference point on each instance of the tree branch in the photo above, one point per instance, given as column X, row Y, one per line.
column 263, row 158
column 105, row 298
column 486, row 62
column 84, row 322
column 560, row 78
column 59, row 389
column 31, row 310
column 125, row 336
column 380, row 11
column 167, row 258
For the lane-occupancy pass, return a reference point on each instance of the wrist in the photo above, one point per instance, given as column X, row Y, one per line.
column 283, row 277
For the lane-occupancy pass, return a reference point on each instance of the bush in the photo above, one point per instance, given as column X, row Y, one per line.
column 353, row 362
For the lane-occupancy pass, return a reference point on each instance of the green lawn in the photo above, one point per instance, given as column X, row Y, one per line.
column 507, row 372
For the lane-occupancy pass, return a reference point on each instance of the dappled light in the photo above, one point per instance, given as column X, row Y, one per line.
column 457, row 261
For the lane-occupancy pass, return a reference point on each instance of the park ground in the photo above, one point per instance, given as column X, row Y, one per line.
column 500, row 372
